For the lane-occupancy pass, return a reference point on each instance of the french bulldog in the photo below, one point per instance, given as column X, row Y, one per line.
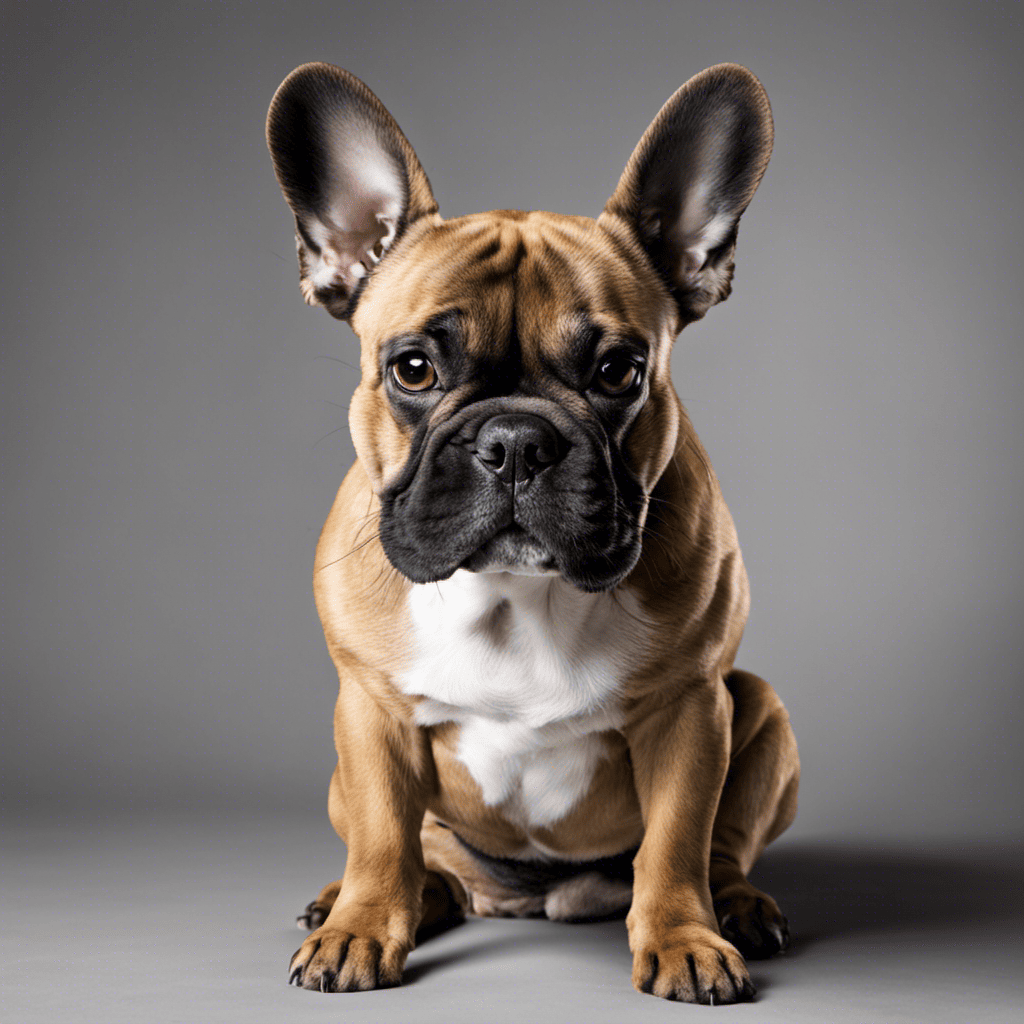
column 529, row 581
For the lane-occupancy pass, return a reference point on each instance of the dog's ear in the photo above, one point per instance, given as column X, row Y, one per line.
column 349, row 175
column 691, row 177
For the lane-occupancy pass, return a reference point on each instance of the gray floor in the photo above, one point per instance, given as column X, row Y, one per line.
column 189, row 920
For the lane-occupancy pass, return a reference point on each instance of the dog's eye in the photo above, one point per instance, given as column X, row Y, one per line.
column 413, row 372
column 618, row 374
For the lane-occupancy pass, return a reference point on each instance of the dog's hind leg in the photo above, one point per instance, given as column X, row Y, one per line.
column 316, row 912
column 445, row 899
column 758, row 803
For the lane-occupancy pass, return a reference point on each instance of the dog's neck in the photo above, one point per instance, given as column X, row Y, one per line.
column 494, row 601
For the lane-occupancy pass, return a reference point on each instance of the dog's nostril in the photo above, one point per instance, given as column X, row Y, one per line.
column 493, row 455
column 538, row 457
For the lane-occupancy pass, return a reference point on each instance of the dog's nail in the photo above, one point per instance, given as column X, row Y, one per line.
column 781, row 932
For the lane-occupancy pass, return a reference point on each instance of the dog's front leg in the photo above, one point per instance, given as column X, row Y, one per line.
column 384, row 768
column 680, row 756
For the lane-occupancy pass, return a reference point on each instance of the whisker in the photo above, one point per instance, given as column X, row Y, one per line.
column 335, row 359
column 636, row 618
column 700, row 455
column 353, row 550
column 324, row 438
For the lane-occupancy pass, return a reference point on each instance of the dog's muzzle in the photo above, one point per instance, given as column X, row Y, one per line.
column 516, row 447
column 513, row 485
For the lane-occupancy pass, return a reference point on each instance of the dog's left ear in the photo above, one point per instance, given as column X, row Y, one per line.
column 350, row 176
column 691, row 177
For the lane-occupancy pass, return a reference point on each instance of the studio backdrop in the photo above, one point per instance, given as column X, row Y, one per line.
column 175, row 419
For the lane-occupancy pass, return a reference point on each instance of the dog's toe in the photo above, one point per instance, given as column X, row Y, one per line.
column 754, row 925
column 337, row 960
column 691, row 964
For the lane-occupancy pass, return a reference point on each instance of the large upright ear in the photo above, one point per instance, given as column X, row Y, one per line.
column 349, row 175
column 691, row 176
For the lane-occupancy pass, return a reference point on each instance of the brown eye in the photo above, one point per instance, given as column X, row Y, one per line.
column 618, row 374
column 413, row 372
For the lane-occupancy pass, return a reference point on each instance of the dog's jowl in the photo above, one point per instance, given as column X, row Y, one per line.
column 529, row 582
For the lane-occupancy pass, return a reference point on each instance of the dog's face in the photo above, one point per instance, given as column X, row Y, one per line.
column 515, row 409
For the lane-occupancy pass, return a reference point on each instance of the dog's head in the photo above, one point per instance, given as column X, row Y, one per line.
column 515, row 409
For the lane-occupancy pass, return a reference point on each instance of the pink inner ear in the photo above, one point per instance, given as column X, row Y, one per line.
column 695, row 234
column 365, row 195
column 701, row 226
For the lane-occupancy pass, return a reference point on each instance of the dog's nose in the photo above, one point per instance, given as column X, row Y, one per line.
column 518, row 446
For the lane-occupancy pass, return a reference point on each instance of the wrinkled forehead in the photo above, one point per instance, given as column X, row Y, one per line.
column 537, row 281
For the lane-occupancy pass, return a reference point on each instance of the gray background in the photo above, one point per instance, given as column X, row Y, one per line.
column 175, row 426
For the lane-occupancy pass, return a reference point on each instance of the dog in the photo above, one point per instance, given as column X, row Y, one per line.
column 529, row 582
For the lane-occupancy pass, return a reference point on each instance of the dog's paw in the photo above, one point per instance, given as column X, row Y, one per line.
column 753, row 923
column 317, row 910
column 694, row 965
column 336, row 960
column 313, row 916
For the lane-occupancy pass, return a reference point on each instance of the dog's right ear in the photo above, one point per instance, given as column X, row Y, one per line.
column 350, row 177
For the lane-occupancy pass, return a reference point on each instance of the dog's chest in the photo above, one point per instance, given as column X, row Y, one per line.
column 532, row 670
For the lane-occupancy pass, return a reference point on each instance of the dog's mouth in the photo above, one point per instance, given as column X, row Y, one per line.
column 512, row 550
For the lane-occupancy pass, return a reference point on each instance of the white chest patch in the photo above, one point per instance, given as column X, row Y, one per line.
column 532, row 669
